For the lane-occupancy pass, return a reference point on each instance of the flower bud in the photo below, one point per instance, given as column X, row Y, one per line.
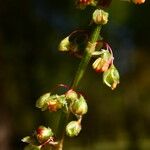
column 43, row 134
column 71, row 95
column 27, row 139
column 102, row 63
column 100, row 17
column 64, row 44
column 79, row 106
column 111, row 77
column 42, row 101
column 51, row 102
column 73, row 128
column 138, row 1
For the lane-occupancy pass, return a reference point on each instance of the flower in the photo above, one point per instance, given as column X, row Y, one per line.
column 42, row 101
column 43, row 134
column 64, row 44
column 102, row 63
column 79, row 106
column 71, row 95
column 73, row 128
column 111, row 77
column 100, row 17
column 51, row 102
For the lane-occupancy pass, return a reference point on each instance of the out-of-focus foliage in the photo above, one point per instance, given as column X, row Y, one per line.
column 30, row 66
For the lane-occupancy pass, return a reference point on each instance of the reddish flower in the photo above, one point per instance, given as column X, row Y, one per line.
column 102, row 63
column 43, row 134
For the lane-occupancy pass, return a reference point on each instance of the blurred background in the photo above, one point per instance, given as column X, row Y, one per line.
column 30, row 65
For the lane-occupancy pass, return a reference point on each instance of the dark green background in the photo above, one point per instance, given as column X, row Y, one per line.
column 30, row 65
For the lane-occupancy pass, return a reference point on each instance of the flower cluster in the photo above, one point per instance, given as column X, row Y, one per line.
column 104, row 64
column 70, row 101
column 52, row 103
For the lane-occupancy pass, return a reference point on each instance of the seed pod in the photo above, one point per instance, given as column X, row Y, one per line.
column 102, row 63
column 111, row 77
column 71, row 95
column 100, row 17
column 79, row 106
column 42, row 101
column 73, row 128
column 43, row 134
column 64, row 44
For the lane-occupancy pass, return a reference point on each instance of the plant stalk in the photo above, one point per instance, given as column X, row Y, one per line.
column 86, row 56
column 90, row 48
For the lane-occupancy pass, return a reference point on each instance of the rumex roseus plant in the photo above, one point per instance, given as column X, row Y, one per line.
column 72, row 102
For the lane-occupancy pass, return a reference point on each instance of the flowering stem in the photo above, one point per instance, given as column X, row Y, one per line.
column 90, row 48
column 86, row 56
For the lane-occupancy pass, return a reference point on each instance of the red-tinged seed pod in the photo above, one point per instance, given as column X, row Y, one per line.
column 43, row 134
column 102, row 63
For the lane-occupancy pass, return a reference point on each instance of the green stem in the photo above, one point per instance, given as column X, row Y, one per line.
column 86, row 56
column 81, row 70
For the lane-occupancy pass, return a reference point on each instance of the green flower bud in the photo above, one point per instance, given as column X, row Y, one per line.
column 42, row 101
column 51, row 102
column 30, row 140
column 43, row 134
column 73, row 128
column 71, row 95
column 79, row 106
column 102, row 63
column 27, row 139
column 111, row 77
column 100, row 17
column 32, row 147
column 64, row 44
